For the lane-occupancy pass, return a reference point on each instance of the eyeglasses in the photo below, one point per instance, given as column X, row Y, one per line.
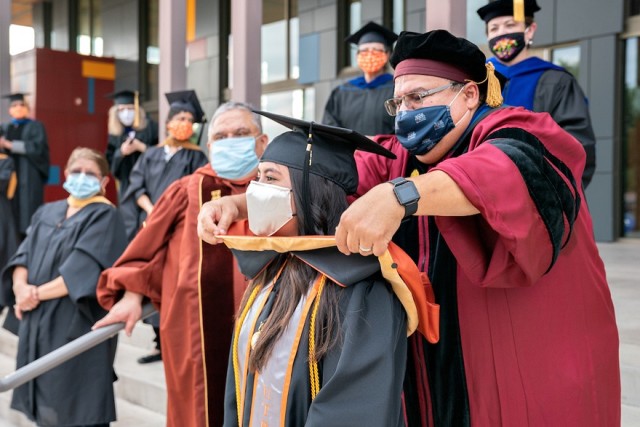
column 411, row 100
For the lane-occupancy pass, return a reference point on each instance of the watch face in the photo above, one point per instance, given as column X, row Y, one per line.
column 407, row 193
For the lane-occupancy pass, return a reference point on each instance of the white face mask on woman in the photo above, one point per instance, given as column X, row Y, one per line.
column 268, row 208
column 126, row 116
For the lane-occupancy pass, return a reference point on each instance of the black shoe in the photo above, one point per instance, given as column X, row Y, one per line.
column 155, row 357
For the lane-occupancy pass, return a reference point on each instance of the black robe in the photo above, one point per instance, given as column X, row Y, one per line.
column 361, row 109
column 80, row 391
column 151, row 175
column 361, row 377
column 8, row 231
column 32, row 168
column 120, row 165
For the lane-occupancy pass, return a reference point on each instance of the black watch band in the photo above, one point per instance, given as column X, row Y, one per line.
column 407, row 195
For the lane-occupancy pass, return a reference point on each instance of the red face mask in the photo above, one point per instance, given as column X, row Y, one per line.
column 372, row 61
column 181, row 130
column 18, row 111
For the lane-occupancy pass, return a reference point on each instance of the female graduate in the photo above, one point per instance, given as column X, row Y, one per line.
column 54, row 275
column 320, row 338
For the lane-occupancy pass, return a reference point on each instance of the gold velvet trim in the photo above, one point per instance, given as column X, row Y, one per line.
column 81, row 203
column 306, row 243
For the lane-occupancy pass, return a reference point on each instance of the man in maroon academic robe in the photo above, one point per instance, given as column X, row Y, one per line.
column 527, row 330
column 191, row 283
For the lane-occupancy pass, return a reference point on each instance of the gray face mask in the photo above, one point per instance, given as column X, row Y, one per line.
column 268, row 208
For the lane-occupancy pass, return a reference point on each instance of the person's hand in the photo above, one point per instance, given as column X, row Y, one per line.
column 127, row 310
column 368, row 225
column 17, row 312
column 215, row 218
column 139, row 145
column 5, row 143
column 26, row 296
column 127, row 147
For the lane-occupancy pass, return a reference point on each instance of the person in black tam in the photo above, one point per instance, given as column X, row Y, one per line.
column 24, row 139
column 495, row 215
column 358, row 103
column 317, row 331
column 534, row 83
column 131, row 132
column 158, row 167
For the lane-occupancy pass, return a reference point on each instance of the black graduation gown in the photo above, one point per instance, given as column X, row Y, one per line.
column 362, row 110
column 361, row 377
column 151, row 175
column 80, row 391
column 8, row 231
column 32, row 169
column 120, row 165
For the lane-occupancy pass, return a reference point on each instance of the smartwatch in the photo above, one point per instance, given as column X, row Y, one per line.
column 407, row 195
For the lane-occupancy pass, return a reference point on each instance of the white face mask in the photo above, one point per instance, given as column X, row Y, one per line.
column 126, row 116
column 268, row 208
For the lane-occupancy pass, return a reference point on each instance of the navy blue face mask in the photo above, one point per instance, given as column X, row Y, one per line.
column 420, row 130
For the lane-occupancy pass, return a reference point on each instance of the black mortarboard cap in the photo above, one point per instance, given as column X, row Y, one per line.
column 187, row 100
column 123, row 97
column 322, row 150
column 461, row 54
column 497, row 8
column 18, row 96
column 372, row 32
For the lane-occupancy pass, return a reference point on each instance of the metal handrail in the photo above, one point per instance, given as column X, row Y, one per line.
column 66, row 352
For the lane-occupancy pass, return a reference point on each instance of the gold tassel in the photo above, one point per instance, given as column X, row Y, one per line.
column 494, row 91
column 518, row 10
column 314, row 376
column 136, row 109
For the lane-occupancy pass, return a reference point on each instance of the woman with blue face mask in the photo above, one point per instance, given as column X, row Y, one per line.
column 54, row 274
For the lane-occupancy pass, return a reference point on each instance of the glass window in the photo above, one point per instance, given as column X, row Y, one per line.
column 279, row 29
column 634, row 7
column 89, row 28
column 567, row 57
column 476, row 31
column 295, row 103
column 21, row 39
column 355, row 22
column 151, row 57
column 631, row 141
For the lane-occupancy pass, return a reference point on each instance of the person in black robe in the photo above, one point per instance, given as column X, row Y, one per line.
column 8, row 230
column 131, row 132
column 54, row 275
column 534, row 83
column 320, row 338
column 159, row 166
column 156, row 169
column 358, row 104
column 25, row 140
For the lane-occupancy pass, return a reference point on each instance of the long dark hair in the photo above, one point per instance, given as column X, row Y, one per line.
column 327, row 201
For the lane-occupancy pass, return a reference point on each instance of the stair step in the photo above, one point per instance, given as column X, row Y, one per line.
column 630, row 374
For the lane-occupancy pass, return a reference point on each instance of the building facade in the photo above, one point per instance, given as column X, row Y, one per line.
column 286, row 56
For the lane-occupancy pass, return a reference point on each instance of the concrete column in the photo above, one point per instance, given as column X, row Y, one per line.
column 5, row 57
column 246, row 23
column 450, row 15
column 172, row 70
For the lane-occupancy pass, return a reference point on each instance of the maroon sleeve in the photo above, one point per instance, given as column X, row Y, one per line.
column 140, row 268
column 507, row 244
column 374, row 169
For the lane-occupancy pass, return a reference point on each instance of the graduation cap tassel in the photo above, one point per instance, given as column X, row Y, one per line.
column 136, row 109
column 308, row 157
column 314, row 376
column 494, row 92
column 518, row 10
